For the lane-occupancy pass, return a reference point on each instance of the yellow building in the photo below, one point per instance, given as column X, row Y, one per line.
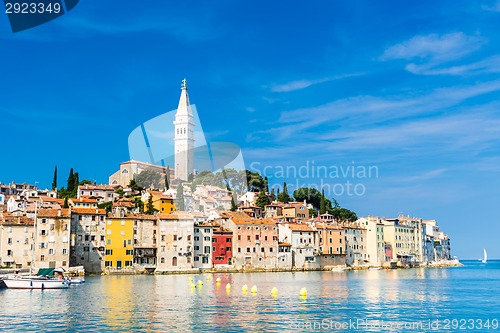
column 164, row 203
column 119, row 243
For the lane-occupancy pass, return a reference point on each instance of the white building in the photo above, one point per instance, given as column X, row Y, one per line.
column 175, row 249
column 88, row 239
column 203, row 232
column 375, row 246
column 303, row 240
column 103, row 193
column 184, row 137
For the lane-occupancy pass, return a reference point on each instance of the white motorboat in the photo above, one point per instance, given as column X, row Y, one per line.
column 75, row 281
column 35, row 282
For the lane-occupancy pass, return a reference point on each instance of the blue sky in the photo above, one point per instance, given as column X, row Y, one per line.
column 411, row 88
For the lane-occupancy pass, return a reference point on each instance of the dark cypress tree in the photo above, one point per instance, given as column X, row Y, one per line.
column 266, row 184
column 150, row 208
column 71, row 181
column 284, row 196
column 180, row 197
column 54, row 180
column 167, row 179
column 322, row 203
column 233, row 204
column 66, row 203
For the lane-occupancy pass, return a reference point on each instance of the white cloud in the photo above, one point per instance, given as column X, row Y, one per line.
column 494, row 8
column 435, row 47
column 302, row 84
column 488, row 65
column 432, row 55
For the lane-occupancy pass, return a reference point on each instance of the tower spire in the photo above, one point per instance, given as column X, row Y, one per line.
column 184, row 136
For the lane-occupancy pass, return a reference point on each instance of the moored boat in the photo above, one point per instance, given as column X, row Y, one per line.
column 35, row 282
column 43, row 280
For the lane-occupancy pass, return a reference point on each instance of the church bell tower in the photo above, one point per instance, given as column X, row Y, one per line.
column 184, row 136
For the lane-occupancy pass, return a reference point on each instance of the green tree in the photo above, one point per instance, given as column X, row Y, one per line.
column 65, row 205
column 85, row 182
column 133, row 186
column 106, row 205
column 284, row 197
column 310, row 195
column 54, row 180
column 312, row 212
column 179, row 198
column 255, row 181
column 266, row 184
column 167, row 178
column 148, row 179
column 71, row 181
column 272, row 194
column 322, row 206
column 150, row 208
column 120, row 191
column 76, row 179
column 262, row 200
column 343, row 215
column 138, row 203
column 233, row 204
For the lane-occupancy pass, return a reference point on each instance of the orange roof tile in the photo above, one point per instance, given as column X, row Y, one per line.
column 54, row 213
column 300, row 227
column 83, row 199
column 89, row 211
column 175, row 216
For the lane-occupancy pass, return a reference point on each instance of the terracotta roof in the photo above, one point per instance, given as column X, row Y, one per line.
column 141, row 216
column 243, row 218
column 9, row 220
column 52, row 200
column 221, row 230
column 98, row 187
column 160, row 195
column 300, row 227
column 83, row 199
column 146, row 164
column 199, row 214
column 65, row 213
column 175, row 216
column 89, row 211
column 284, row 244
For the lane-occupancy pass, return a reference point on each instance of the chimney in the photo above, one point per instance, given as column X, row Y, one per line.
column 59, row 213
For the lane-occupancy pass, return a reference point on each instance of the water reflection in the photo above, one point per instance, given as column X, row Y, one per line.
column 168, row 303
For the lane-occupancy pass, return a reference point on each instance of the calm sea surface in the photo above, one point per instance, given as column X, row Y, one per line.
column 456, row 299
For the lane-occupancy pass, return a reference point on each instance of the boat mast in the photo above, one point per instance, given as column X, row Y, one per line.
column 34, row 238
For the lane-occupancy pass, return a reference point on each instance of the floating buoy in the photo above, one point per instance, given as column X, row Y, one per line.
column 228, row 286
column 244, row 288
column 254, row 290
column 200, row 282
column 192, row 286
column 217, row 280
column 274, row 292
column 208, row 278
column 303, row 292
column 190, row 279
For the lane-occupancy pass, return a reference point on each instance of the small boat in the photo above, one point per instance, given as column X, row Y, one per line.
column 41, row 281
column 338, row 269
column 75, row 281
column 485, row 257
column 374, row 268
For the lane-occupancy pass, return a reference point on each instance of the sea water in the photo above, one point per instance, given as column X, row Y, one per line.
column 401, row 300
